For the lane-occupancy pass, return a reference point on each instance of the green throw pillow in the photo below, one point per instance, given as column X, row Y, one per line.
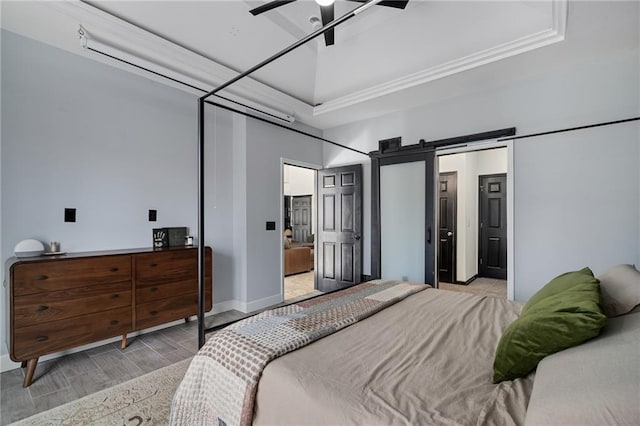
column 559, row 284
column 564, row 313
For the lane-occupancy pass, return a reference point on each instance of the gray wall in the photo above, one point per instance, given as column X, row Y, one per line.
column 267, row 146
column 81, row 134
column 568, row 211
column 78, row 133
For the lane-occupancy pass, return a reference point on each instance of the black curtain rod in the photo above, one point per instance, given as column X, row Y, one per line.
column 285, row 127
column 175, row 80
column 570, row 129
column 201, row 146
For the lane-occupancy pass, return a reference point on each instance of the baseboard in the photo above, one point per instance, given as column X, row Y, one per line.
column 260, row 303
column 229, row 305
column 467, row 282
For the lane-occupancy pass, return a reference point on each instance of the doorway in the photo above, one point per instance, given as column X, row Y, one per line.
column 472, row 221
column 299, row 191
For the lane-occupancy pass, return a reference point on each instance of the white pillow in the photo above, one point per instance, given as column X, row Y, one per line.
column 620, row 288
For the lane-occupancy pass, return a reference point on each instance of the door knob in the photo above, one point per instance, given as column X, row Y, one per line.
column 357, row 237
column 449, row 234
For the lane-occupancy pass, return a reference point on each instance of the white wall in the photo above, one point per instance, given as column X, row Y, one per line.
column 299, row 180
column 591, row 77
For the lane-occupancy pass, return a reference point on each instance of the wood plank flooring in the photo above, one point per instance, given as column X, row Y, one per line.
column 65, row 379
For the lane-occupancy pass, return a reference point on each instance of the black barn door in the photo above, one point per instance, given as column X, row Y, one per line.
column 447, row 209
column 492, row 245
column 339, row 227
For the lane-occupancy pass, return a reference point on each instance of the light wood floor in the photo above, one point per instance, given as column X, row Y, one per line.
column 480, row 286
column 298, row 285
column 65, row 379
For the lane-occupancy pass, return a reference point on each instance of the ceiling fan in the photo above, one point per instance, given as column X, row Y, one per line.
column 326, row 11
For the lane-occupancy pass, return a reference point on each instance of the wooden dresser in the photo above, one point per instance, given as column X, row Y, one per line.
column 60, row 302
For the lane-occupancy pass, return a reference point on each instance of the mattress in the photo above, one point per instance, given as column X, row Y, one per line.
column 426, row 360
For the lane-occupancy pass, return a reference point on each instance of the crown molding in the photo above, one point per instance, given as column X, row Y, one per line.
column 543, row 38
column 194, row 68
column 190, row 66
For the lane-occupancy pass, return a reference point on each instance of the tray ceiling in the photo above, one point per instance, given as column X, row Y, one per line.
column 380, row 52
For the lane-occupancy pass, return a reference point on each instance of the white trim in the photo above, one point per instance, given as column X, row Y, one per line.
column 229, row 305
column 144, row 44
column 266, row 302
column 543, row 38
column 479, row 146
column 511, row 273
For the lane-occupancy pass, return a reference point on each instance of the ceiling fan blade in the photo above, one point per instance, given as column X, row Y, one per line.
column 268, row 6
column 326, row 13
column 398, row 4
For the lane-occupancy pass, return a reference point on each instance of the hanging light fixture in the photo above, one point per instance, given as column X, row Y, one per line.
column 325, row 2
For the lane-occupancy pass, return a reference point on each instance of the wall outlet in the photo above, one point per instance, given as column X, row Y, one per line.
column 271, row 226
column 69, row 215
column 153, row 215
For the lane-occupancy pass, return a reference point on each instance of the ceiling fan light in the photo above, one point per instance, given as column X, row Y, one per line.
column 325, row 2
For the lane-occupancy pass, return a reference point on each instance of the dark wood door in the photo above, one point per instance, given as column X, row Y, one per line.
column 339, row 227
column 447, row 207
column 492, row 245
column 301, row 221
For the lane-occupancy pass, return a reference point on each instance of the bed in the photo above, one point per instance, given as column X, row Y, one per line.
column 424, row 358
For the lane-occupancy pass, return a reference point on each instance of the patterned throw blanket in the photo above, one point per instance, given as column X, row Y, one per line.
column 220, row 385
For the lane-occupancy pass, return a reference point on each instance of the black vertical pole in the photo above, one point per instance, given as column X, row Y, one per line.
column 201, row 242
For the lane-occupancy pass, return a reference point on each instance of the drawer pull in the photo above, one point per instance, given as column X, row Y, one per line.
column 113, row 322
column 113, row 270
column 41, row 277
column 154, row 289
column 115, row 296
column 154, row 312
column 41, row 338
column 42, row 308
column 153, row 265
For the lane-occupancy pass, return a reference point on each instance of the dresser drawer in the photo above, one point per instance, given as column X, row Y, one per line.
column 165, row 290
column 56, row 305
column 171, row 289
column 38, row 277
column 37, row 340
column 166, row 310
column 168, row 266
column 155, row 267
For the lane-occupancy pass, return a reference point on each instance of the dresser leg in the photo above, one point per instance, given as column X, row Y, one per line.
column 186, row 320
column 123, row 344
column 31, row 368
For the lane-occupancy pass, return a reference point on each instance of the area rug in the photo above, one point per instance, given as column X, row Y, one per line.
column 145, row 400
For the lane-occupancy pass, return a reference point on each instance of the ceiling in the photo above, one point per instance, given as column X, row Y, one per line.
column 382, row 53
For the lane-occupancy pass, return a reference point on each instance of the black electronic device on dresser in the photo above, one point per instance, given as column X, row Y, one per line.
column 57, row 303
